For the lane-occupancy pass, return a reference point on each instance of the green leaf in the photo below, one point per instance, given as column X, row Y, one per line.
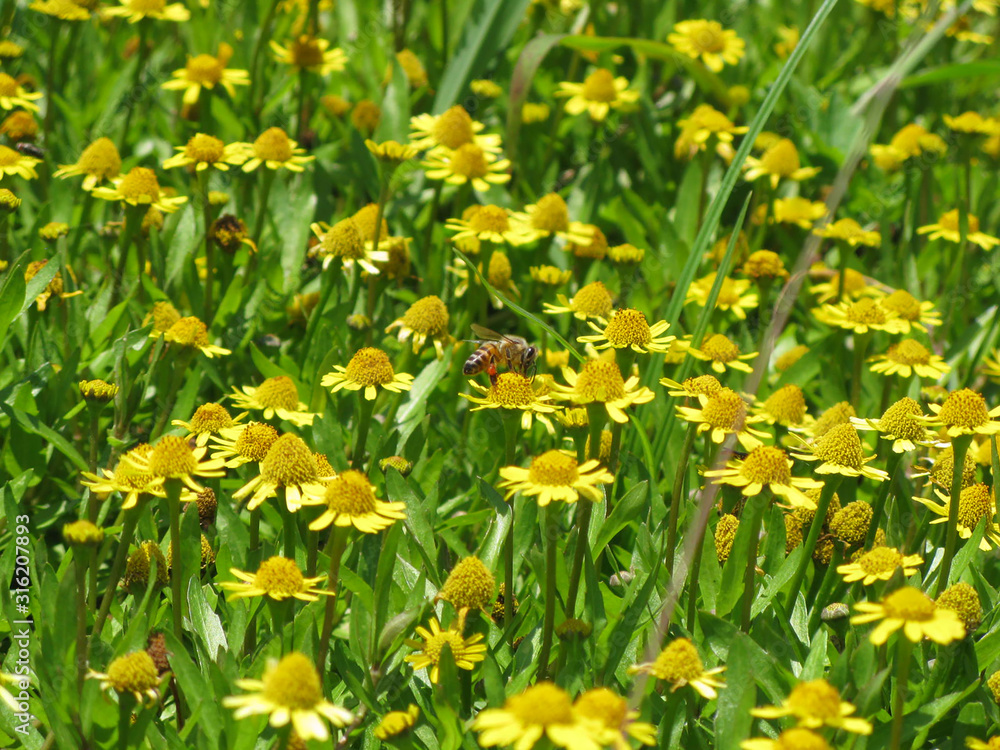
column 520, row 84
column 955, row 72
column 733, row 719
column 625, row 511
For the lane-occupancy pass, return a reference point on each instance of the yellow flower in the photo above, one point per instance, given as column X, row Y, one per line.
column 840, row 451
column 395, row 723
column 770, row 467
column 680, row 665
column 898, row 424
column 879, row 564
column 452, row 129
column 290, row 691
column 193, row 333
column 786, row 406
column 126, row 479
column 551, row 276
column 977, row 744
column 697, row 130
column 350, row 501
column 629, row 328
column 275, row 396
column 722, row 353
column 289, row 464
column 206, row 72
column 99, row 161
column 470, row 585
column 514, row 391
column 708, row 40
column 855, row 285
column 138, row 188
column 795, row 738
column 15, row 163
column 533, row 112
column 278, row 578
column 413, row 69
column 427, row 318
column 173, row 458
column 864, row 315
column 592, row 301
column 789, row 40
column 948, row 228
column 391, row 154
column 693, row 387
column 975, row 503
column 973, row 122
column 599, row 93
column 368, row 368
column 203, row 151
column 132, row 673
column 626, row 254
column 556, row 475
column 13, row 94
column 991, row 365
column 911, row 311
column 468, row 163
column 275, row 150
column 550, row 216
column 913, row 611
column 137, row 10
column 778, row 161
column 764, row 264
column 732, row 294
column 346, row 241
column 485, row 88
column 912, row 140
column 309, row 53
column 849, row 231
column 964, row 412
column 612, row 719
column 465, row 651
column 963, row 599
column 64, row 10
column 207, row 420
column 487, row 223
column 600, row 382
column 909, row 357
column 724, row 413
column 242, row 444
column 542, row 710
column 800, row 211
column 816, row 704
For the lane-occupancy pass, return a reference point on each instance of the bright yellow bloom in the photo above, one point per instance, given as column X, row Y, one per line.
column 487, row 223
column 704, row 124
column 289, row 464
column 550, row 216
column 864, row 315
column 628, row 328
column 99, row 161
column 427, row 318
column 556, row 475
column 137, row 10
column 452, row 129
column 911, row 311
column 778, row 161
column 795, row 210
column 612, row 719
column 15, row 163
column 722, row 353
column 732, row 295
column 468, row 163
column 849, row 231
column 13, row 94
column 207, row 420
column 206, row 72
column 789, row 40
column 275, row 150
column 840, row 451
column 680, row 665
column 913, row 611
column 973, row 122
column 275, row 396
column 767, row 466
column 132, row 673
column 277, row 578
column 514, row 391
column 64, row 10
column 912, row 140
column 898, row 424
column 599, row 93
column 350, row 500
column 855, row 285
column 592, row 301
column 173, row 458
column 126, row 479
column 722, row 414
column 910, row 357
column 796, row 738
column 879, row 564
column 309, row 53
column 465, row 651
column 948, row 228
column 243, row 444
column 395, row 723
column 975, row 503
column 693, row 387
column 192, row 332
column 708, row 40
column 816, row 704
column 139, row 188
column 203, row 151
column 600, row 382
column 542, row 710
column 345, row 240
column 964, row 412
column 368, row 368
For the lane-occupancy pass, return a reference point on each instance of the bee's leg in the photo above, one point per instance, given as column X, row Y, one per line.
column 492, row 371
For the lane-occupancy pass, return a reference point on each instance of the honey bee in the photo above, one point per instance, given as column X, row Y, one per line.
column 517, row 354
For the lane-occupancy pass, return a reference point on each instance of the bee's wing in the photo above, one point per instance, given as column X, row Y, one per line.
column 486, row 334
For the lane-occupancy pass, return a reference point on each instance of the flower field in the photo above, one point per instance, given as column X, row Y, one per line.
column 499, row 373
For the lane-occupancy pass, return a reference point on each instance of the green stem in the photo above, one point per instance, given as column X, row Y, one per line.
column 133, row 222
column 142, row 56
column 81, row 618
column 206, row 211
column 265, row 193
column 842, row 269
column 279, row 617
column 312, row 552
column 756, row 506
column 184, row 357
column 336, row 546
column 861, row 341
column 960, row 445
column 173, row 488
column 435, row 282
column 265, row 29
column 596, row 417
column 548, row 623
column 675, row 495
column 512, row 432
column 365, row 409
column 694, row 575
column 891, row 467
column 829, row 488
column 126, row 702
column 830, row 579
column 121, row 555
column 903, row 648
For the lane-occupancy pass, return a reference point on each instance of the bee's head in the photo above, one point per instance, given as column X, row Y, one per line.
column 530, row 355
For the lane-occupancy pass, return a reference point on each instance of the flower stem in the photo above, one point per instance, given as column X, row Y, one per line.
column 173, row 488
column 142, row 56
column 121, row 555
column 511, row 427
column 903, row 648
column 265, row 29
column 891, row 467
column 81, row 618
column 861, row 341
column 757, row 505
column 960, row 445
column 177, row 373
column 675, row 495
column 694, row 574
column 133, row 221
column 265, row 193
column 809, row 544
column 336, row 546
column 126, row 702
column 548, row 623
column 206, row 210
column 365, row 409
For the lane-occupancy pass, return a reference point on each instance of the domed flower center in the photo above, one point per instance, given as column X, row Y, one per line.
column 543, row 704
column 188, row 332
column 204, row 69
column 908, row 604
column 148, row 6
column 205, row 148
column 279, row 576
column 351, row 493
column 841, row 446
column 781, row 159
column 896, row 420
column 707, row 384
column 499, row 271
column 679, row 661
column 708, row 37
column 164, row 315
column 720, row 349
column 470, row 584
column 133, row 673
column 787, row 404
column 840, row 413
column 453, row 128
column 964, row 408
column 255, row 441
column 764, row 264
column 626, row 253
column 8, row 85
column 172, row 458
column 343, row 240
column 370, row 366
column 767, row 465
column 603, row 705
column 428, row 316
column 278, row 392
column 800, row 739
column 593, row 299
column 909, row 352
column 975, row 503
column 628, row 327
column 551, row 214
column 599, row 86
column 293, row 683
column 950, row 221
column 306, row 52
column 127, row 474
column 489, row 219
column 880, row 561
column 289, row 462
column 729, row 294
column 273, row 145
column 140, row 186
column 600, row 381
column 866, row 311
column 944, row 465
column 725, row 410
column 554, row 468
column 210, row 418
column 434, row 645
column 904, row 304
column 512, row 391
column 816, row 698
column 364, row 220
column 469, row 160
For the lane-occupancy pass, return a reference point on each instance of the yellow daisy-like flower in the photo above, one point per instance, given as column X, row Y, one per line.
column 64, row 10
column 816, row 704
column 556, row 475
column 395, row 723
column 13, row 162
column 243, row 444
column 290, row 464
column 347, row 241
column 912, row 140
column 861, row 316
column 137, row 10
column 879, row 564
column 550, row 216
column 368, row 368
column 680, row 665
column 800, row 211
column 948, row 228
column 629, row 328
column 13, row 94
column 206, row 72
column 766, row 466
column 452, row 129
column 972, row 122
column 975, row 503
column 779, row 161
column 599, row 93
column 275, row 150
column 722, row 353
column 600, row 381
column 704, row 124
column 134, row 673
column 487, row 223
column 964, row 412
column 786, row 406
column 138, row 188
column 203, row 151
column 290, row 691
column 99, row 161
column 542, row 710
column 707, row 40
column 898, row 424
column 470, row 585
column 275, row 396
column 173, row 458
column 551, row 276
column 975, row 743
column 514, row 391
column 849, row 231
column 840, row 451
column 611, row 717
column 910, row 357
column 912, row 610
column 855, row 286
column 991, row 365
column 192, row 332
column 468, row 163
column 208, row 420
column 724, row 413
column 126, row 479
column 732, row 295
column 764, row 265
column 700, row 385
column 309, row 53
column 350, row 501
column 796, row 738
column 427, row 318
column 592, row 301
column 277, row 578
column 465, row 651
column 911, row 311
